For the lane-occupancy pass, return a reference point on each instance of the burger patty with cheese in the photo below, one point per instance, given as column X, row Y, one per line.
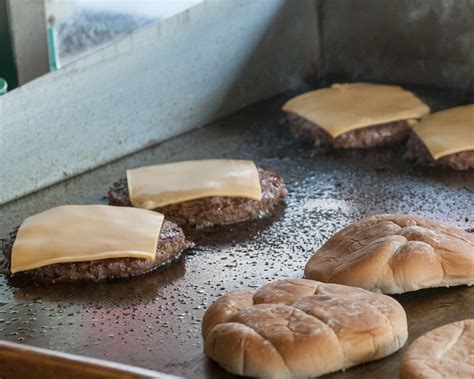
column 444, row 139
column 90, row 243
column 357, row 115
column 202, row 192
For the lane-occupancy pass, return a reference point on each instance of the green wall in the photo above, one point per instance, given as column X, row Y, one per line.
column 7, row 64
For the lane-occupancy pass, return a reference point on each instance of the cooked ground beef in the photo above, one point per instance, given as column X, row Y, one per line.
column 375, row 135
column 211, row 211
column 419, row 153
column 170, row 245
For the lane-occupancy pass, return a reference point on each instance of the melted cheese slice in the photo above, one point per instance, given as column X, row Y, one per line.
column 155, row 186
column 77, row 233
column 448, row 132
column 345, row 107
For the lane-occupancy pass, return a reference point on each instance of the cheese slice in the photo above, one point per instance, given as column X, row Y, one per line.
column 155, row 186
column 77, row 233
column 448, row 132
column 345, row 107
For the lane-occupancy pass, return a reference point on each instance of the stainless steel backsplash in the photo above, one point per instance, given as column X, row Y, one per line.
column 421, row 42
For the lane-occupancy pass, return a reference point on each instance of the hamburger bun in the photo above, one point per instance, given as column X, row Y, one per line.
column 394, row 253
column 445, row 352
column 301, row 328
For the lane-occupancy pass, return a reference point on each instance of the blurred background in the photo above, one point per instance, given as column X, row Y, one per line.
column 83, row 25
column 44, row 35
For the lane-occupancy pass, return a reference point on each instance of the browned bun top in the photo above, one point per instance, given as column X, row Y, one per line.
column 301, row 328
column 394, row 253
column 445, row 352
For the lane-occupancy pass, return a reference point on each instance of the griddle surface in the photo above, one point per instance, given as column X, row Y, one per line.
column 153, row 321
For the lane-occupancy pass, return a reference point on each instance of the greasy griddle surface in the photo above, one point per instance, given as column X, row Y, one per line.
column 154, row 321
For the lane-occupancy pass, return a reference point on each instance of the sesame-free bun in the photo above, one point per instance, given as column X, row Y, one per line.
column 301, row 328
column 445, row 352
column 395, row 253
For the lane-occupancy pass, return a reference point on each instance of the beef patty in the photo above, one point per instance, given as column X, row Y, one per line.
column 370, row 136
column 170, row 245
column 216, row 210
column 419, row 153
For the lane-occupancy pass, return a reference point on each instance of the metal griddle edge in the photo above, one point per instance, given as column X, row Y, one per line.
column 153, row 321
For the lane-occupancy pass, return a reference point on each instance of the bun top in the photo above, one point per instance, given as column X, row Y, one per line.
column 445, row 352
column 301, row 328
column 394, row 254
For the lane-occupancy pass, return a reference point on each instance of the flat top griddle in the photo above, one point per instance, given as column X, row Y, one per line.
column 153, row 321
